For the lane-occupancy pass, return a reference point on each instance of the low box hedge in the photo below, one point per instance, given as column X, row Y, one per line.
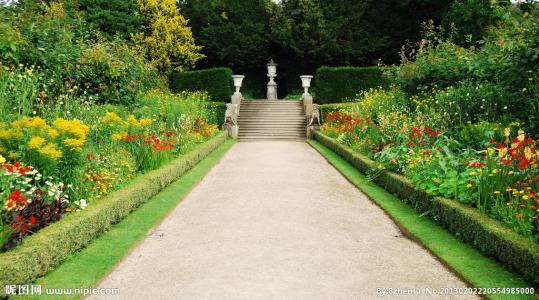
column 489, row 236
column 336, row 84
column 216, row 81
column 40, row 253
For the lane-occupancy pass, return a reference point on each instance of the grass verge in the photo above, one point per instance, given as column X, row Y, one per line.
column 86, row 268
column 464, row 260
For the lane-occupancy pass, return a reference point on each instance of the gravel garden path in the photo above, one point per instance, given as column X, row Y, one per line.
column 274, row 220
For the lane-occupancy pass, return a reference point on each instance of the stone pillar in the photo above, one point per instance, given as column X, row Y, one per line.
column 233, row 108
column 272, row 90
column 271, row 93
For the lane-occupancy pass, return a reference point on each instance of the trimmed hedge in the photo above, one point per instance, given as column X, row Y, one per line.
column 484, row 233
column 336, row 84
column 41, row 252
column 216, row 81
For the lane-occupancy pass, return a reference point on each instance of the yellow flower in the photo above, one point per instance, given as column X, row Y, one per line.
column 496, row 192
column 51, row 151
column 29, row 72
column 73, row 127
column 111, row 118
column 490, row 151
column 74, row 144
column 436, row 180
column 469, row 185
column 53, row 133
column 507, row 132
column 118, row 136
column 472, row 173
column 145, row 122
column 495, row 171
column 528, row 153
column 2, row 159
column 521, row 135
column 525, row 197
column 132, row 120
column 36, row 142
column 511, row 172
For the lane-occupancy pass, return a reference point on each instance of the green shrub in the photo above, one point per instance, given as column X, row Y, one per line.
column 216, row 81
column 113, row 73
column 337, row 84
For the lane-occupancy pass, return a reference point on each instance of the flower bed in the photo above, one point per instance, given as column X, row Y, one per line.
column 468, row 224
column 62, row 162
column 501, row 180
column 41, row 252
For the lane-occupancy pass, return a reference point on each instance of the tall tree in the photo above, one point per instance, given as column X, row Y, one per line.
column 233, row 33
column 466, row 20
column 112, row 17
column 351, row 32
column 165, row 38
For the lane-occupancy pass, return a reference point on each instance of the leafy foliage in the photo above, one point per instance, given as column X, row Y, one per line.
column 111, row 17
column 165, row 39
column 234, row 33
column 217, row 82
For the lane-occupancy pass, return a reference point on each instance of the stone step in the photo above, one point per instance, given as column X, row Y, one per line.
column 243, row 104
column 272, row 125
column 269, row 137
column 274, row 111
column 272, row 130
column 272, row 119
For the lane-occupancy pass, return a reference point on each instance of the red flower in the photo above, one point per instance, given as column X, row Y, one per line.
column 530, row 141
column 492, row 141
column 533, row 207
column 24, row 228
column 170, row 133
column 427, row 152
column 499, row 146
column 32, row 220
column 411, row 144
column 519, row 216
column 522, row 164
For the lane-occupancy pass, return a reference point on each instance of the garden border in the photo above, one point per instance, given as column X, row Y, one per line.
column 482, row 232
column 41, row 252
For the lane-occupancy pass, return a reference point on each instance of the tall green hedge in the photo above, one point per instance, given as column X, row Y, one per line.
column 216, row 81
column 336, row 84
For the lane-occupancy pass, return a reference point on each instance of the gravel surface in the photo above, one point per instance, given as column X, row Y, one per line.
column 274, row 220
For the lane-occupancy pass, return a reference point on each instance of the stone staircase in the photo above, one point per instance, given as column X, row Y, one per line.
column 261, row 120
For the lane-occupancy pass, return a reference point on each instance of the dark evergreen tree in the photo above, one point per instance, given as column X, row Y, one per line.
column 112, row 17
column 234, row 33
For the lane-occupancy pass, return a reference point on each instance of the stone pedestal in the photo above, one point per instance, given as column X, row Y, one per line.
column 271, row 93
column 308, row 105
